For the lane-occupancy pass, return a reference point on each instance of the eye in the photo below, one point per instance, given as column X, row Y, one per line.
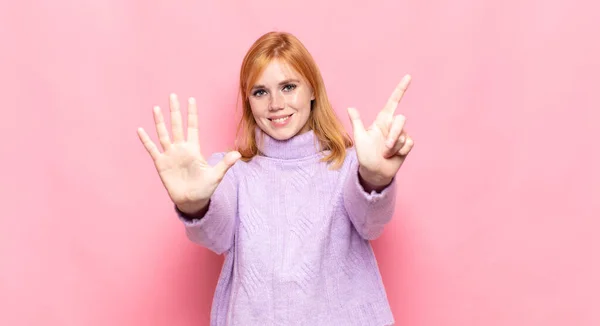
column 289, row 87
column 258, row 92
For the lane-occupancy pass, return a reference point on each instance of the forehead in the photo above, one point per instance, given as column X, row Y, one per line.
column 277, row 71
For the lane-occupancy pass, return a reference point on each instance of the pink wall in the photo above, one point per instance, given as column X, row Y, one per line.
column 499, row 206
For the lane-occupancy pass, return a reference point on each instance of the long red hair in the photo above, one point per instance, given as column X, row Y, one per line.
column 323, row 121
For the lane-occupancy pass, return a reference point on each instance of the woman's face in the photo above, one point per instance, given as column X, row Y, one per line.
column 281, row 101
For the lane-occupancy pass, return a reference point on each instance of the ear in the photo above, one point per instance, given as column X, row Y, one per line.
column 312, row 95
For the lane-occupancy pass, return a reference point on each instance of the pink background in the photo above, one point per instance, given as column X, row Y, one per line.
column 499, row 203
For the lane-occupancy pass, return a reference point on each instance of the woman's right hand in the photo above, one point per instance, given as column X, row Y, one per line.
column 184, row 172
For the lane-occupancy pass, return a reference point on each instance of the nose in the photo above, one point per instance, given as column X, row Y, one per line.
column 277, row 102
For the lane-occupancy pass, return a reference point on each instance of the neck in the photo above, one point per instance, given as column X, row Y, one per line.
column 299, row 146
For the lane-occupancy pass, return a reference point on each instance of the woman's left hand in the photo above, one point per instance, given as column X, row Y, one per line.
column 383, row 147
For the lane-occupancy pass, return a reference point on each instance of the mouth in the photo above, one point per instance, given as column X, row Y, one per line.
column 280, row 119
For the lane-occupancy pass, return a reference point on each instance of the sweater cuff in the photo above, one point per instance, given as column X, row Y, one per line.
column 187, row 218
column 373, row 196
column 369, row 211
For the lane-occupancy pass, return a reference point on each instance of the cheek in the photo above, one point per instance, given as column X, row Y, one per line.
column 257, row 107
column 299, row 101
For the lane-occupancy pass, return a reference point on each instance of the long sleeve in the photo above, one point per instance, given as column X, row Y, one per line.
column 369, row 212
column 215, row 230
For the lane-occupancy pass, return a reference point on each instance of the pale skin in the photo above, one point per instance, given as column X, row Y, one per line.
column 279, row 92
column 183, row 170
column 383, row 147
column 190, row 181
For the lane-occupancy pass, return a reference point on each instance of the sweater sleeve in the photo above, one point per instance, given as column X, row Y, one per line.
column 215, row 230
column 368, row 211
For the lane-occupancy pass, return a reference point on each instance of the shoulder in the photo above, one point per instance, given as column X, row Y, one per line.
column 349, row 161
column 351, row 157
column 350, row 153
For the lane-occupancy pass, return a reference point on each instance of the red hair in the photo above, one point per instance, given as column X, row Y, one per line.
column 323, row 120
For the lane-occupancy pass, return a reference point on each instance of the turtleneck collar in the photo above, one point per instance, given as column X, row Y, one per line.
column 299, row 146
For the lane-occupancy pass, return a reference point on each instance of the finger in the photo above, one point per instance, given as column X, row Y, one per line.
column 384, row 121
column 192, row 132
column 357, row 124
column 394, row 100
column 226, row 163
column 395, row 130
column 148, row 144
column 398, row 144
column 176, row 121
column 161, row 129
column 408, row 146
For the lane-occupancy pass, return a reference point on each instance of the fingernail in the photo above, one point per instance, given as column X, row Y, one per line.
column 173, row 96
column 389, row 143
column 192, row 100
column 402, row 138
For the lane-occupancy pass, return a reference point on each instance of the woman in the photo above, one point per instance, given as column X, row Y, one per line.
column 294, row 207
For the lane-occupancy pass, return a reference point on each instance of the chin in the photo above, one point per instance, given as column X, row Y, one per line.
column 282, row 131
column 280, row 134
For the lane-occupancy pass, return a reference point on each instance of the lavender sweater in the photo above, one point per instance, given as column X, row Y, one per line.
column 295, row 237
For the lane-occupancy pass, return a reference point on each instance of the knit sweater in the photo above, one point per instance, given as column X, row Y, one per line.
column 295, row 234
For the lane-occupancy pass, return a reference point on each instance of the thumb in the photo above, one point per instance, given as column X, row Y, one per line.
column 357, row 124
column 226, row 163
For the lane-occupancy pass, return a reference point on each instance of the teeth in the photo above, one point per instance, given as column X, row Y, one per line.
column 281, row 119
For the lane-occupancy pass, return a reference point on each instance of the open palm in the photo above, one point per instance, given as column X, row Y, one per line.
column 383, row 146
column 184, row 172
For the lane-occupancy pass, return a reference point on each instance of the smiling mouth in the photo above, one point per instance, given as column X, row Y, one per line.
column 280, row 120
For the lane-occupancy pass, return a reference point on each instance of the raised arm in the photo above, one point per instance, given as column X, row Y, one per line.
column 203, row 192
column 370, row 189
column 369, row 210
column 213, row 226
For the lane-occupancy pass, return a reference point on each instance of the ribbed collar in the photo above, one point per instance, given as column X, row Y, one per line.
column 299, row 146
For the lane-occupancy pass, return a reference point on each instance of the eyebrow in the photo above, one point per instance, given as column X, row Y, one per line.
column 287, row 81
